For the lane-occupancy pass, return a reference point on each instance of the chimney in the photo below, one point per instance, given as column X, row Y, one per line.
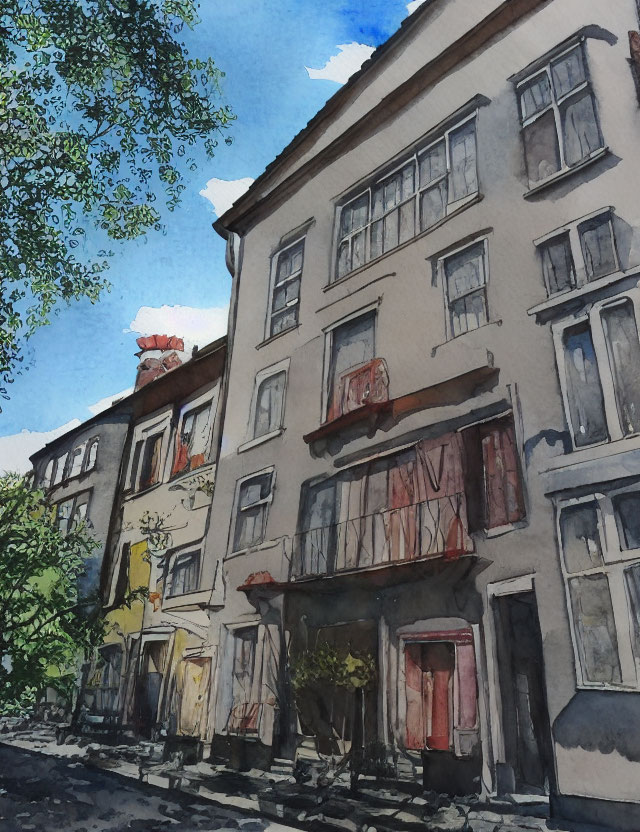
column 159, row 354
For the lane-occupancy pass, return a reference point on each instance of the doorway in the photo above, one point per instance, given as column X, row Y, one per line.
column 527, row 767
column 149, row 686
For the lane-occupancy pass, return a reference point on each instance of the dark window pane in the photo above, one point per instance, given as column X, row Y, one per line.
column 408, row 181
column 290, row 261
column 352, row 344
column 595, row 629
column 377, row 202
column 390, row 234
column 535, row 96
column 632, row 580
column 470, row 312
column 151, row 461
column 580, row 132
column 464, row 174
column 252, row 512
column 344, row 260
column 407, row 221
column 584, row 391
column 285, row 319
column 596, row 239
column 392, row 191
column 557, row 265
column 357, row 249
column 623, row 348
column 286, row 294
column 627, row 511
column 568, row 72
column 355, row 215
column 376, row 239
column 433, row 203
column 580, row 537
column 433, row 164
column 269, row 399
column 541, row 147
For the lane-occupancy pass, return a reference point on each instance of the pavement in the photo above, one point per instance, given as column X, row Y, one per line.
column 95, row 780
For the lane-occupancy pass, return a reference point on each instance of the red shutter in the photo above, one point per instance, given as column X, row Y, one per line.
column 440, row 664
column 415, row 721
column 503, row 493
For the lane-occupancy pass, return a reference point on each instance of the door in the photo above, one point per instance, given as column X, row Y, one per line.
column 150, row 685
column 527, row 765
column 429, row 676
column 195, row 686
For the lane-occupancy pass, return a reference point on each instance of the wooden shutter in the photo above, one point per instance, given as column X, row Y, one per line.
column 504, row 502
column 415, row 719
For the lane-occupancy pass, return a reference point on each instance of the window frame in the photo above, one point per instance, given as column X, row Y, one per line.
column 572, row 231
column 273, row 285
column 178, row 558
column 262, row 376
column 384, row 173
column 143, row 432
column 593, row 318
column 328, row 349
column 208, row 400
column 442, row 277
column 58, row 475
column 266, row 501
column 544, row 67
column 615, row 563
column 90, row 443
column 83, row 498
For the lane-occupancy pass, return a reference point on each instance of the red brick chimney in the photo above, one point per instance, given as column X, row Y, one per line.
column 159, row 354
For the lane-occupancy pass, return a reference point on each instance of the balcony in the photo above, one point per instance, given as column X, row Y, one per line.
column 435, row 528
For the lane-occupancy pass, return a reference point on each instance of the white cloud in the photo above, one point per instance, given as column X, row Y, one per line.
column 15, row 450
column 103, row 404
column 195, row 326
column 340, row 67
column 413, row 5
column 222, row 193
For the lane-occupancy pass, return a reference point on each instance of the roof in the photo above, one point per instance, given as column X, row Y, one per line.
column 130, row 402
column 324, row 113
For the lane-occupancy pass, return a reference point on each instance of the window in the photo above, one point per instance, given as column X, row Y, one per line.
column 285, row 294
column 436, row 179
column 48, row 474
column 351, row 344
column 185, row 574
column 61, row 464
column 599, row 358
column 147, row 456
column 253, row 496
column 269, row 404
column 558, row 115
column 76, row 457
column 64, row 511
column 91, row 455
column 192, row 438
column 599, row 535
column 464, row 275
column 581, row 252
column 245, row 708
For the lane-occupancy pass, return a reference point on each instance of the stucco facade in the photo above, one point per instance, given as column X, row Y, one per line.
column 395, row 313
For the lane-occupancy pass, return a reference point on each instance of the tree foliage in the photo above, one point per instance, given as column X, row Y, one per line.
column 46, row 626
column 101, row 107
column 327, row 666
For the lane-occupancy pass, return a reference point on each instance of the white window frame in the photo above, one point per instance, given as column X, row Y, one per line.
column 143, row 431
column 577, row 254
column 592, row 317
column 615, row 561
column 442, row 277
column 328, row 347
column 184, row 552
column 266, row 501
column 273, row 276
column 208, row 399
column 60, row 467
column 545, row 69
column 261, row 376
column 380, row 177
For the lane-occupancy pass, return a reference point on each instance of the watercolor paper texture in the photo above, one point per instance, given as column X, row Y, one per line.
column 371, row 559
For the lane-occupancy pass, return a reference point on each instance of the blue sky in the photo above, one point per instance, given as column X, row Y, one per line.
column 263, row 46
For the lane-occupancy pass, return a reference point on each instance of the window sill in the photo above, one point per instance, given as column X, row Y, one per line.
column 497, row 322
column 464, row 204
column 564, row 174
column 594, row 452
column 199, row 470
column 276, row 336
column 189, row 600
column 499, row 531
column 142, row 491
column 563, row 298
column 259, row 440
column 259, row 547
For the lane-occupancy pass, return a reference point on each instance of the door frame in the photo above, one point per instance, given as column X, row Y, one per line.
column 498, row 589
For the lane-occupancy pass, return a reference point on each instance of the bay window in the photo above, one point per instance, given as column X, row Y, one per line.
column 600, row 546
column 599, row 360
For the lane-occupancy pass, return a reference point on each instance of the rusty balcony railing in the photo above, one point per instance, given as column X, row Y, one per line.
column 431, row 528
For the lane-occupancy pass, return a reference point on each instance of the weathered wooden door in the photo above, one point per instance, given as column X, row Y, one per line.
column 195, row 686
column 429, row 668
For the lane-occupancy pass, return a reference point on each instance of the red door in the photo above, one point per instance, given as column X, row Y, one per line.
column 429, row 672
